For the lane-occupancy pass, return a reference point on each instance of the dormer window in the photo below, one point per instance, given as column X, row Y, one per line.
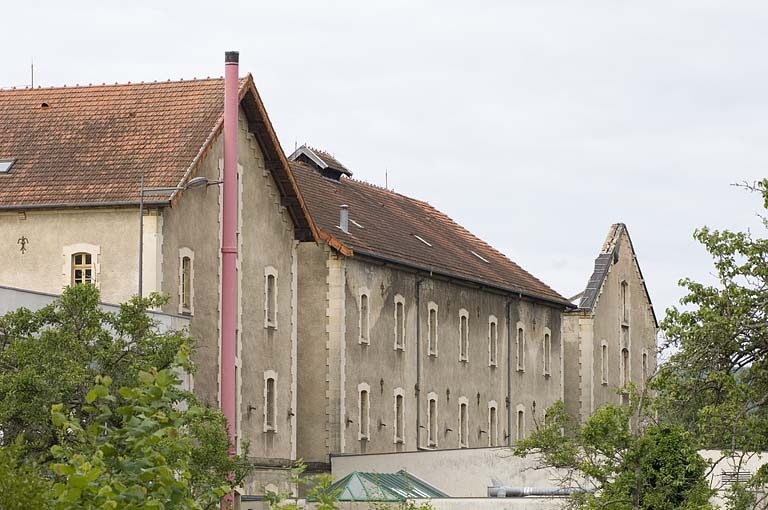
column 325, row 163
column 5, row 165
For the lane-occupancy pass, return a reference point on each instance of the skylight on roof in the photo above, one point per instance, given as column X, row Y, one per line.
column 5, row 165
column 480, row 257
column 422, row 240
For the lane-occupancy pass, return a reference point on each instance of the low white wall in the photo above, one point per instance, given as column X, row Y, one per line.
column 12, row 298
column 439, row 504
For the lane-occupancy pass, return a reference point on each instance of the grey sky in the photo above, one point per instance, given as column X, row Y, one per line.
column 534, row 123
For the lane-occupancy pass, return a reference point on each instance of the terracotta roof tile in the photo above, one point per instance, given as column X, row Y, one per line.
column 90, row 145
column 385, row 225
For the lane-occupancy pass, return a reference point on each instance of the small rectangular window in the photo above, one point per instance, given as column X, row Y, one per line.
column 547, row 354
column 604, row 363
column 82, row 268
column 520, row 424
column 463, row 425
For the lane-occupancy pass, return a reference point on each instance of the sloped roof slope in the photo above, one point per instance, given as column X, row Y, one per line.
column 399, row 229
column 88, row 146
column 605, row 258
column 400, row 486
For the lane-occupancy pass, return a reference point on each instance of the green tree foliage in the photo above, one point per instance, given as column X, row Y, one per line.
column 610, row 466
column 122, row 432
column 716, row 382
column 53, row 355
column 21, row 484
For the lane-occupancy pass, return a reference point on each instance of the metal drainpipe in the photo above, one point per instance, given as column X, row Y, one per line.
column 509, row 372
column 418, row 363
column 141, row 235
column 229, row 247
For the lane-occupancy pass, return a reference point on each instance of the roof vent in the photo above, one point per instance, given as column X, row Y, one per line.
column 344, row 218
column 44, row 105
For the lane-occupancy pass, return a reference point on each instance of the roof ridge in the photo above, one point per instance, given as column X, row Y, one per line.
column 117, row 84
column 387, row 190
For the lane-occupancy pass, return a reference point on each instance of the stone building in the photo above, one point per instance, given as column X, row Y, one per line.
column 367, row 321
column 72, row 159
column 413, row 333
column 610, row 339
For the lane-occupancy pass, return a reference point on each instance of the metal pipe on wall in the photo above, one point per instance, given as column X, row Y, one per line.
column 229, row 246
column 509, row 372
column 141, row 234
column 418, row 363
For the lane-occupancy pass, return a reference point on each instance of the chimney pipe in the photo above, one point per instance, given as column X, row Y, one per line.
column 229, row 245
column 344, row 218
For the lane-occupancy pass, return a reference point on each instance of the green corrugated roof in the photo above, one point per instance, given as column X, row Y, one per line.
column 400, row 486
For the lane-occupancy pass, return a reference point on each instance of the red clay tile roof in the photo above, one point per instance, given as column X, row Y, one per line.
column 331, row 161
column 88, row 146
column 384, row 225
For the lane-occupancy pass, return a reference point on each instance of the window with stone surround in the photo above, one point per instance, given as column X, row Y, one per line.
column 399, row 323
column 493, row 341
column 463, row 335
column 270, row 297
column 432, row 329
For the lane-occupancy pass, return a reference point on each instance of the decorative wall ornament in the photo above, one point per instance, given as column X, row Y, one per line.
column 23, row 241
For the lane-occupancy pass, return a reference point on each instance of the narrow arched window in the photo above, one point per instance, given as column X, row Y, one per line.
column 493, row 425
column 463, row 424
column 432, row 420
column 399, row 415
column 463, row 335
column 364, row 314
column 364, row 412
column 493, row 341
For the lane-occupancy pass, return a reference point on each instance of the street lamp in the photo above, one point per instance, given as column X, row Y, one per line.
column 194, row 183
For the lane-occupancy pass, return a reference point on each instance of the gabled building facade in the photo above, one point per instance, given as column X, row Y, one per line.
column 69, row 204
column 610, row 340
column 413, row 333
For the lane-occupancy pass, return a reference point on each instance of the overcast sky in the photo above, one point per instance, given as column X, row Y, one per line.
column 536, row 124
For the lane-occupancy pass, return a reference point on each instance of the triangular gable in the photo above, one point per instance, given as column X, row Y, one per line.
column 603, row 262
column 275, row 161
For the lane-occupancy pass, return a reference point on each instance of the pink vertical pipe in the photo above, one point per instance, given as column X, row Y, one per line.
column 229, row 245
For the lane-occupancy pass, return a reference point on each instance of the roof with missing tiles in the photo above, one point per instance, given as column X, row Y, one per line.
column 608, row 254
column 88, row 146
column 399, row 229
